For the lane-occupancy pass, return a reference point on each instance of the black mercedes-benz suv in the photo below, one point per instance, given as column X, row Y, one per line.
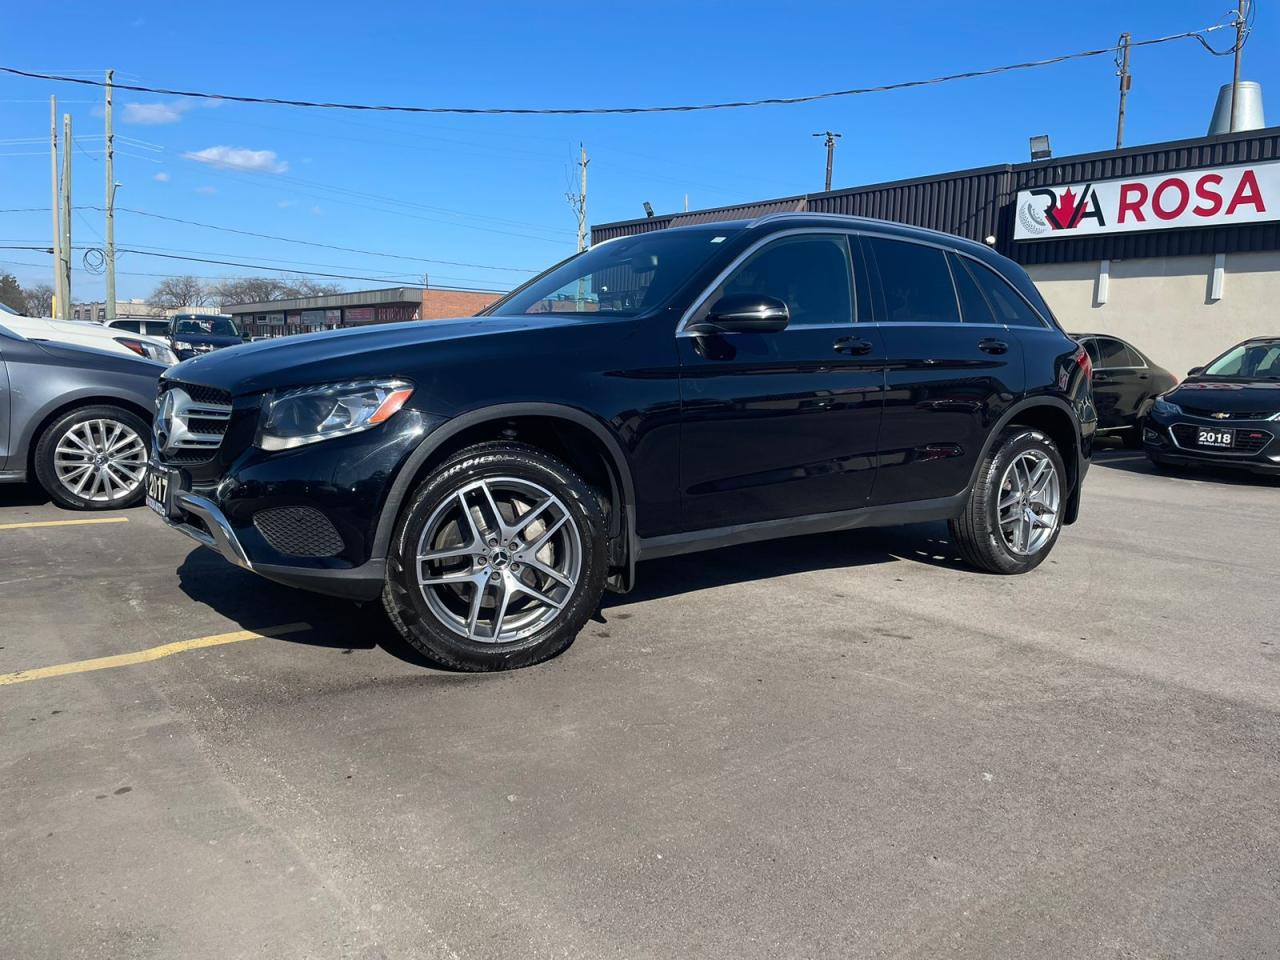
column 675, row 391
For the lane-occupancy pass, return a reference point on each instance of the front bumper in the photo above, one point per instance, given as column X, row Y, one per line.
column 1160, row 442
column 203, row 522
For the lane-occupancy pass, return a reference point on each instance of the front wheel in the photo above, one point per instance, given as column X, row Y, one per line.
column 1014, row 513
column 93, row 458
column 498, row 561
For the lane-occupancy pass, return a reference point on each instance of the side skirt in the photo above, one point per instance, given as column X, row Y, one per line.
column 887, row 515
column 12, row 476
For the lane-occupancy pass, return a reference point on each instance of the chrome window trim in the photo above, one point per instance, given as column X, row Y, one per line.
column 1124, row 343
column 851, row 232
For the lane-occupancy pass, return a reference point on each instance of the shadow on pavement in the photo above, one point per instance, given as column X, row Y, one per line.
column 255, row 603
column 22, row 495
column 1114, row 456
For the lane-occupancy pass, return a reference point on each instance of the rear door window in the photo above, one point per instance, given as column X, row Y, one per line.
column 133, row 326
column 1113, row 354
column 973, row 305
column 914, row 283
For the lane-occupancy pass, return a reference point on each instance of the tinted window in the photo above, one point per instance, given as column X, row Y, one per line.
column 619, row 278
column 915, row 284
column 1091, row 348
column 1113, row 353
column 973, row 306
column 133, row 326
column 810, row 274
column 1007, row 303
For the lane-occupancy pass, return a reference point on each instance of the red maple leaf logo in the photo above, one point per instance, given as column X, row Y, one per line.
column 1061, row 215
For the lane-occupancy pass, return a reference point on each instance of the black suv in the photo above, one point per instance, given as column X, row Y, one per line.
column 675, row 391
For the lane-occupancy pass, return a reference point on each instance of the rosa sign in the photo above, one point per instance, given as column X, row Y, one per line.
column 1165, row 201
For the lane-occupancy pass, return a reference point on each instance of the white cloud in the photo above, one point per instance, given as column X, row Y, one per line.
column 316, row 211
column 154, row 114
column 282, row 204
column 161, row 177
column 240, row 158
column 206, row 189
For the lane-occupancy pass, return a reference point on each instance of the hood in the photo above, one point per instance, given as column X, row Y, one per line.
column 382, row 350
column 1227, row 396
column 74, row 355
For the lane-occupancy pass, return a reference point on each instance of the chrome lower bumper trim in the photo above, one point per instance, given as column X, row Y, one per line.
column 219, row 535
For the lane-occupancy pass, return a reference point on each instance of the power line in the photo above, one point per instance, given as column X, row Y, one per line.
column 575, row 111
column 247, row 266
column 314, row 243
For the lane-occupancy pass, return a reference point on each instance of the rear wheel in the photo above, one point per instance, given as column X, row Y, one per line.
column 93, row 458
column 498, row 561
column 1014, row 513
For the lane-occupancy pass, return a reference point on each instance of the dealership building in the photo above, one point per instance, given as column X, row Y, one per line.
column 278, row 318
column 1172, row 246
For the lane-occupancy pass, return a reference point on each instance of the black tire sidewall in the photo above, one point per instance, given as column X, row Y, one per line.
column 47, row 445
column 1014, row 444
column 403, row 598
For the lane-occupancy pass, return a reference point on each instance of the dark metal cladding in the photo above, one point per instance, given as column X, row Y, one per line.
column 979, row 203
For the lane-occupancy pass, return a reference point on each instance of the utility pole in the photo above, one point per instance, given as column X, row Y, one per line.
column 58, row 294
column 831, row 151
column 1235, row 75
column 578, row 201
column 1126, row 81
column 64, row 308
column 110, row 243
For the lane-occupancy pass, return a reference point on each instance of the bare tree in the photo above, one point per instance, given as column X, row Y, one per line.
column 39, row 300
column 265, row 289
column 180, row 292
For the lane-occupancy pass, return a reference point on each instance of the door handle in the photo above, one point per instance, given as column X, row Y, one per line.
column 992, row 345
column 853, row 345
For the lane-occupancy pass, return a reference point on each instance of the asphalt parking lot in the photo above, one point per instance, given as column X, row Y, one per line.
column 842, row 746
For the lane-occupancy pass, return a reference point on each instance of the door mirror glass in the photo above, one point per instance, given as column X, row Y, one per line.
column 745, row 313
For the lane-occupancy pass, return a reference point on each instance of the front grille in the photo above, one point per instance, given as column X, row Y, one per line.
column 191, row 420
column 1244, row 441
column 298, row 531
column 1211, row 414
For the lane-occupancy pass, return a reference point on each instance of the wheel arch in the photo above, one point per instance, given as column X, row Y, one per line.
column 1054, row 417
column 578, row 438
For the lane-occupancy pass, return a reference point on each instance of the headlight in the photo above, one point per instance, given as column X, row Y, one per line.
column 182, row 345
column 1164, row 406
column 152, row 351
column 291, row 418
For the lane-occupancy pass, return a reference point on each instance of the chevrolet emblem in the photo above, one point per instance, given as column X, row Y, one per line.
column 1220, row 415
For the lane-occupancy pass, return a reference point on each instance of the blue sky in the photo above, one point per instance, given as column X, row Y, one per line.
column 490, row 191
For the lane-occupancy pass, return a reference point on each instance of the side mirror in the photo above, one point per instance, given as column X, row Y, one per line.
column 744, row 313
column 1195, row 371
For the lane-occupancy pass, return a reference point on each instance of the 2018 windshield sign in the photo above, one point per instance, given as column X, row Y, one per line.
column 1193, row 198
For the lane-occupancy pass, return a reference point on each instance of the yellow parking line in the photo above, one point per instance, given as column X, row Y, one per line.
column 151, row 653
column 61, row 523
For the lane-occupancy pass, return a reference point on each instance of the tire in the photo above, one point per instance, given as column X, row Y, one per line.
column 564, row 530
column 94, row 458
column 978, row 533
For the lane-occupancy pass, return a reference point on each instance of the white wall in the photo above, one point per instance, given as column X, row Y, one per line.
column 1163, row 306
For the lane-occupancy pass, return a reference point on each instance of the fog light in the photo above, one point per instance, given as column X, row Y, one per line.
column 1150, row 436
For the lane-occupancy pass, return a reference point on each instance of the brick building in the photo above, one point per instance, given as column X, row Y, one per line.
column 277, row 318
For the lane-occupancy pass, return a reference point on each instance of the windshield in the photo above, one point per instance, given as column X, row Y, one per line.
column 619, row 278
column 206, row 326
column 1259, row 361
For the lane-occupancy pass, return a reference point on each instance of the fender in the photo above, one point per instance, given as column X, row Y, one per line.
column 432, row 442
column 1021, row 406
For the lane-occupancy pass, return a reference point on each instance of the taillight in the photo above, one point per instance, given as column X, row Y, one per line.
column 1085, row 363
column 134, row 345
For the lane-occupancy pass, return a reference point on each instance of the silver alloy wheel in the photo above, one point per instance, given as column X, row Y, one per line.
column 1030, row 496
column 100, row 460
column 499, row 559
